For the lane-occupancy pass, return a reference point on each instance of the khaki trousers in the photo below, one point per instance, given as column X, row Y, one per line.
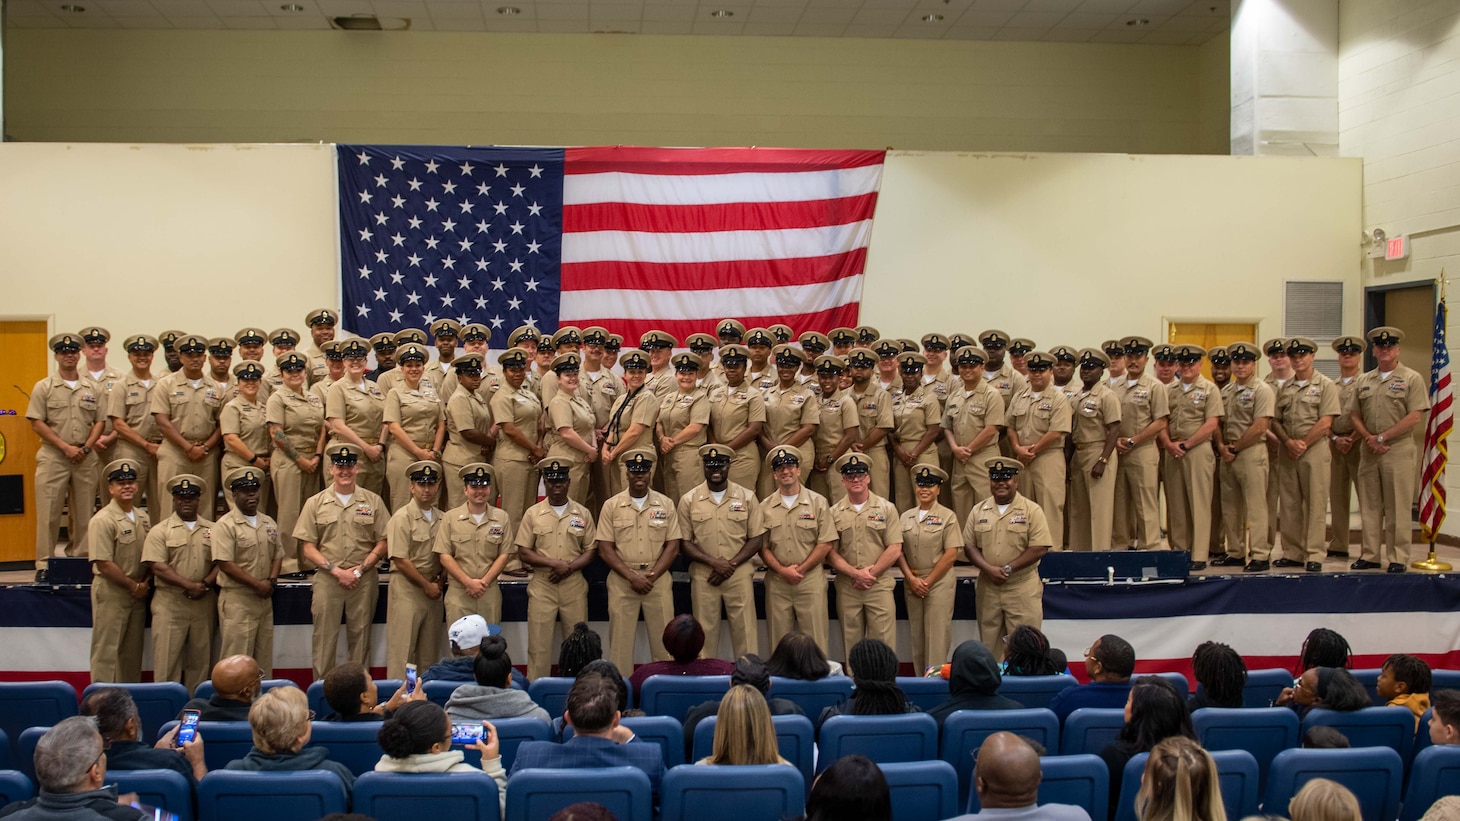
column 1092, row 501
column 1137, row 508
column 1386, row 494
column 117, row 626
column 397, row 460
column 246, row 627
column 970, row 481
column 881, row 478
column 686, row 471
column 1274, row 496
column 517, row 484
column 1244, row 504
column 1189, row 501
column 182, row 636
column 737, row 595
column 1043, row 481
column 1001, row 608
column 866, row 614
column 329, row 602
column 546, row 603
column 1343, row 477
column 488, row 605
column 1217, row 545
column 1303, row 492
column 828, row 484
column 624, row 606
column 745, row 467
column 56, row 478
column 796, row 607
column 171, row 462
column 930, row 621
column 292, row 487
column 414, row 628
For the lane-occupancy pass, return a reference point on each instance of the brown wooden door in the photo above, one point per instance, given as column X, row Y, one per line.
column 23, row 362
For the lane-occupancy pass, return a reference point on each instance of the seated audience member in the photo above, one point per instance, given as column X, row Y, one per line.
column 1109, row 663
column 1324, row 648
column 1027, row 653
column 1332, row 688
column 417, row 739
column 874, row 684
column 1221, row 675
column 70, row 771
column 281, row 728
column 1154, row 711
column 798, row 656
column 1405, row 682
column 578, row 648
column 851, row 789
column 350, row 692
column 598, row 738
column 683, row 639
column 1006, row 776
column 607, row 670
column 744, row 733
column 237, row 681
column 584, row 811
column 1324, row 738
column 1180, row 784
column 1446, row 809
column 749, row 669
column 465, row 636
column 973, row 683
column 1445, row 717
column 117, row 721
column 1323, row 800
column 492, row 695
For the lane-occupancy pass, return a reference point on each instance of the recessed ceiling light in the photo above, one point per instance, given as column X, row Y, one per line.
column 72, row 8
column 291, row 7
column 932, row 18
column 1138, row 22
column 508, row 10
column 722, row 13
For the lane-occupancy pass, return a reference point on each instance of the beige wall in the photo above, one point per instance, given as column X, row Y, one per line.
column 540, row 89
column 1214, row 96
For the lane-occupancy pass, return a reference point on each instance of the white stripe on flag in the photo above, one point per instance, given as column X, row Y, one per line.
column 712, row 305
column 714, row 246
column 718, row 189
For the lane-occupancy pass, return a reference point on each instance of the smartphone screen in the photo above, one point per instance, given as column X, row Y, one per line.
column 188, row 729
column 466, row 734
column 156, row 813
column 410, row 679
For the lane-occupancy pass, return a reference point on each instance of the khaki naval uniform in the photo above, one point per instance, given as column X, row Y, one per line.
column 1343, row 474
column 732, row 410
column 1002, row 537
column 965, row 416
column 1387, row 482
column 300, row 417
column 792, row 534
column 912, row 415
column 1303, row 482
column 639, row 536
column 862, row 536
column 601, row 388
column 1030, row 418
column 106, row 381
column 926, row 537
column 194, row 412
column 117, row 620
column 475, row 546
column 640, row 408
column 513, row 465
column 942, row 385
column 130, row 401
column 465, row 411
column 418, row 413
column 837, row 414
column 1138, row 475
column 1092, row 501
column 247, row 421
column 1244, row 479
column 1274, row 497
column 566, row 411
column 786, row 411
column 721, row 530
column 1189, row 500
column 245, row 621
column 182, row 628
column 874, row 410
column 677, row 411
column 414, row 626
column 362, row 407
column 71, row 413
column 563, row 538
column 345, row 534
column 1008, row 383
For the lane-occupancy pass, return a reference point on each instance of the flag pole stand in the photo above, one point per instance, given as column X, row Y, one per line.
column 1431, row 563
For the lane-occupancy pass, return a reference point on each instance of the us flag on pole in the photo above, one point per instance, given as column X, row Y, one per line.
column 629, row 238
column 1437, row 431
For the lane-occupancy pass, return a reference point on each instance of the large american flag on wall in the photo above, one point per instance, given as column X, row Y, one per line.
column 628, row 238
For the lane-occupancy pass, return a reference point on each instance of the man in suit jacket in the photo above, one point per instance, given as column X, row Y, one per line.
column 1006, row 778
column 598, row 739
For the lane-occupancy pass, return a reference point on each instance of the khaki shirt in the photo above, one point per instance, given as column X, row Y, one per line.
column 1092, row 411
column 106, row 382
column 321, row 389
column 1383, row 402
column 969, row 412
column 112, row 537
column 924, row 542
column 228, row 387
column 418, row 412
column 1074, row 388
column 639, row 535
column 1343, row 424
column 1299, row 407
column 661, row 382
column 299, row 415
column 523, row 409
column 874, row 409
column 787, row 410
column 130, row 402
column 1141, row 403
column 1007, row 381
column 189, row 552
column 642, row 409
column 411, row 536
column 345, row 535
column 601, row 388
column 1245, row 404
column 253, row 549
column 193, row 411
column 764, row 380
column 70, row 412
column 466, row 411
column 1003, row 537
column 862, row 535
column 562, row 538
column 792, row 533
column 732, row 410
column 941, row 384
column 1032, row 418
column 913, row 413
column 722, row 529
column 474, row 546
column 838, row 414
column 246, row 420
column 361, row 407
column 1191, row 408
column 568, row 412
column 547, row 387
column 678, row 411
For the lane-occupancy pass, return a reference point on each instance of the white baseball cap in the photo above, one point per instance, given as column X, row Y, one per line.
column 468, row 631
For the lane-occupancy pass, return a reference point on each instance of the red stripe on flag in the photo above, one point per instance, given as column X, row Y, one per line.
column 633, row 329
column 737, row 216
column 695, row 161
column 702, row 276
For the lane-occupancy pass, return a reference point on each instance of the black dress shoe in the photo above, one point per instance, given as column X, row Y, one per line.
column 1395, row 567
column 1338, row 554
column 1225, row 561
column 1314, row 567
column 1255, row 566
column 1287, row 563
column 40, row 576
column 1363, row 564
column 1195, row 566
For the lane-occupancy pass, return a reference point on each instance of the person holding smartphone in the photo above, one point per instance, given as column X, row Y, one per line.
column 419, row 738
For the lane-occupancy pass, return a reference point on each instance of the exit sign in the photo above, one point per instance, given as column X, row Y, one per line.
column 1397, row 248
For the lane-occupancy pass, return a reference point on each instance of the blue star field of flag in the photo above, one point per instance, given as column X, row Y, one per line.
column 427, row 233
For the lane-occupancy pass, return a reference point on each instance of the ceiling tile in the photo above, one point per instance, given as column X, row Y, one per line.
column 197, row 23
column 312, row 22
column 985, row 19
column 561, row 26
column 659, row 12
column 144, row 23
column 889, row 4
column 814, row 14
column 616, row 11
column 999, row 5
column 1159, row 6
column 768, row 29
column 1061, row 34
column 400, row 8
column 28, row 8
column 665, row 27
column 880, row 17
column 561, row 12
column 1187, row 23
column 971, row 33
column 605, row 26
column 1117, row 35
column 450, row 10
column 249, row 23
column 1021, row 34
column 34, row 22
column 173, row 9
column 1086, row 20
column 1053, row 6
column 339, row 8
column 89, row 19
column 1033, row 20
column 1105, row 6
column 773, row 14
column 868, row 30
column 494, row 23
column 238, row 8
column 819, row 29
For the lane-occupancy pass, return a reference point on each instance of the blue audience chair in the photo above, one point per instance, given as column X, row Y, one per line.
column 1082, row 780
column 1236, row 773
column 794, row 736
column 1180, row 681
column 1262, row 731
column 440, row 691
column 1434, row 775
column 534, row 795
column 167, row 789
column 511, row 732
column 922, row 790
column 1089, row 729
column 884, row 739
column 356, row 744
column 673, row 696
column 1444, row 680
column 551, row 693
column 926, row 693
column 1035, row 691
column 812, row 696
column 206, row 690
column 34, row 704
column 15, row 786
column 413, row 796
column 223, row 741
column 667, row 732
column 1391, row 727
column 763, row 792
column 4, row 751
column 1369, row 677
column 1264, row 686
column 964, row 732
column 158, row 702
column 25, row 749
column 1373, row 774
column 236, row 795
column 1421, row 735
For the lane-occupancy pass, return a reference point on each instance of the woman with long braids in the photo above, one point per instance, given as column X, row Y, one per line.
column 1221, row 675
column 1027, row 653
column 1324, row 648
column 874, row 679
